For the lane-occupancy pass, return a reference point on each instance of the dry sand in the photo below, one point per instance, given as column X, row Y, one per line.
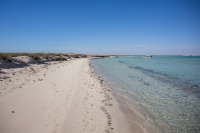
column 59, row 97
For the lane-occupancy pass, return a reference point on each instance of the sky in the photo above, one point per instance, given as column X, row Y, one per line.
column 136, row 27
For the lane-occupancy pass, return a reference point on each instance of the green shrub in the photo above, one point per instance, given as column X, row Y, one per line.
column 3, row 57
column 36, row 57
column 58, row 58
column 6, row 57
column 9, row 60
column 46, row 57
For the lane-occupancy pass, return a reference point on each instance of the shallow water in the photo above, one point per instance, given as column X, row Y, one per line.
column 164, row 89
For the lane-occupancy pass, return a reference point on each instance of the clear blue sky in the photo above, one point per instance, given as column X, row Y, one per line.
column 100, row 26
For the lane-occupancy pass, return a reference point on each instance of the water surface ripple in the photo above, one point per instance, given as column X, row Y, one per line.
column 166, row 89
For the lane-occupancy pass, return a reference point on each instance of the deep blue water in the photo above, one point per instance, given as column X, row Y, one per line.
column 166, row 89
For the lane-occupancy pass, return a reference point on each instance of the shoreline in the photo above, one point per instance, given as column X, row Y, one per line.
column 136, row 120
column 118, row 106
column 57, row 97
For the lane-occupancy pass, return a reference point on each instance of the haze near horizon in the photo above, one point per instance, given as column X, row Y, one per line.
column 158, row 27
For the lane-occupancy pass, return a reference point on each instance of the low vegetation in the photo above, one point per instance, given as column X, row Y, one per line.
column 40, row 56
column 5, row 57
column 8, row 57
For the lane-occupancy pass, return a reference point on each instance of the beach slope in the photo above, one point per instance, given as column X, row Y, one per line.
column 58, row 97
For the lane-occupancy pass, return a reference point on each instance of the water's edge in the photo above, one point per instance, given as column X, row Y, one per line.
column 163, row 91
column 134, row 117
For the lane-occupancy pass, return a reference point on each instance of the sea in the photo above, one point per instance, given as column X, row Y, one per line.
column 165, row 90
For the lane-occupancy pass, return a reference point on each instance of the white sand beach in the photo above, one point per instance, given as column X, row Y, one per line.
column 59, row 97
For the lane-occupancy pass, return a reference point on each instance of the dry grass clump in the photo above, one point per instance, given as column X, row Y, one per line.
column 54, row 57
column 76, row 55
column 58, row 58
column 34, row 56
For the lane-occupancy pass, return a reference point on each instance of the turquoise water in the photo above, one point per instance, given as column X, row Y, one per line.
column 166, row 89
